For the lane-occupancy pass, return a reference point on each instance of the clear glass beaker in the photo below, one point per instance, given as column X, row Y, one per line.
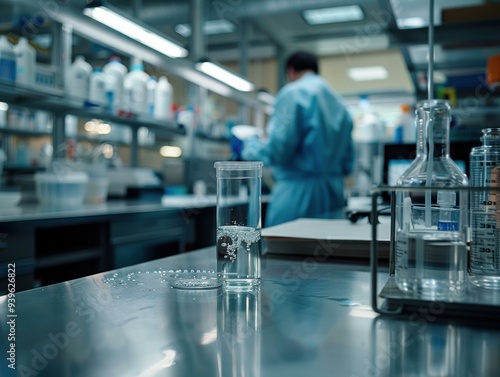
column 484, row 258
column 239, row 223
column 431, row 220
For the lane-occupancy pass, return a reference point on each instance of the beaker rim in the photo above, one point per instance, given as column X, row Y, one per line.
column 433, row 103
column 238, row 165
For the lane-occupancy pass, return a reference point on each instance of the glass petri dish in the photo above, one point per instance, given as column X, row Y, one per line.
column 199, row 279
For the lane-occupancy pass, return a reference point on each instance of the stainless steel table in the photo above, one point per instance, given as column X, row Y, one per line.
column 310, row 318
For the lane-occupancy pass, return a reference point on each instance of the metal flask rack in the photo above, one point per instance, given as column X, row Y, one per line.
column 475, row 302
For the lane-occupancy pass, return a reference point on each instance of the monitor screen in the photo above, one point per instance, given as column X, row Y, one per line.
column 398, row 157
column 397, row 167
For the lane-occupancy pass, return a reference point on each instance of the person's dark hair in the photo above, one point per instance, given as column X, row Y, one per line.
column 302, row 61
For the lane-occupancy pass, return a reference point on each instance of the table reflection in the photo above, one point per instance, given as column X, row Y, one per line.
column 411, row 346
column 239, row 334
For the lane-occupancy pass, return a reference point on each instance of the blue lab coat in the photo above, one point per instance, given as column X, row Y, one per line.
column 310, row 149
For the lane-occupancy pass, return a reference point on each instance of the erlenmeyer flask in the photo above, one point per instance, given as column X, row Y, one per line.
column 431, row 222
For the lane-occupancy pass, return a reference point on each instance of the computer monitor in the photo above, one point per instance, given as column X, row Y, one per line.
column 398, row 157
column 396, row 168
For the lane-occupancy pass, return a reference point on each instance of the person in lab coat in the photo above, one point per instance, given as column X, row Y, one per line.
column 309, row 146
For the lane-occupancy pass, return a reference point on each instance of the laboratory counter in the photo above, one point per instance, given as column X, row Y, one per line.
column 309, row 318
column 35, row 212
column 51, row 244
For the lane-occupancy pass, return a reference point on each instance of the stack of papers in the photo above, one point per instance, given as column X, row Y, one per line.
column 332, row 238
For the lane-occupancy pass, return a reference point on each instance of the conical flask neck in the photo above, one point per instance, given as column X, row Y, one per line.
column 434, row 119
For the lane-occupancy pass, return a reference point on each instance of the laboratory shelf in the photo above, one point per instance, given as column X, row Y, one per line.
column 135, row 121
column 53, row 100
column 23, row 132
column 16, row 93
column 206, row 136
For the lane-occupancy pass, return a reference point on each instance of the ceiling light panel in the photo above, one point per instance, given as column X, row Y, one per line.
column 368, row 73
column 225, row 76
column 411, row 23
column 333, row 15
column 132, row 30
column 212, row 27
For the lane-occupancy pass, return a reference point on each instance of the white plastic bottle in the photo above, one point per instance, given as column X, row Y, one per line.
column 25, row 63
column 152, row 84
column 7, row 60
column 163, row 100
column 115, row 73
column 405, row 130
column 78, row 79
column 97, row 91
column 135, row 90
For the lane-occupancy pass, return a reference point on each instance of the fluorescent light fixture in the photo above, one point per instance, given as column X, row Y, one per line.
column 368, row 73
column 211, row 27
column 4, row 106
column 103, row 129
column 108, row 151
column 411, row 23
column 129, row 28
column 43, row 40
column 225, row 76
column 90, row 126
column 170, row 151
column 333, row 15
column 439, row 77
column 198, row 78
column 183, row 29
column 265, row 97
column 97, row 127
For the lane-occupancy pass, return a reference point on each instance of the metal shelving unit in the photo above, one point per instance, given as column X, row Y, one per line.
column 70, row 21
column 53, row 100
column 22, row 132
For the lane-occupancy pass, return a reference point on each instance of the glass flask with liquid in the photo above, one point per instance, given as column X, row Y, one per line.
column 484, row 257
column 431, row 221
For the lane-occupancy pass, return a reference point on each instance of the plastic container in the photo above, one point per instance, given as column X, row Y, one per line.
column 7, row 60
column 47, row 75
column 22, row 154
column 405, row 131
column 163, row 100
column 115, row 73
column 61, row 190
column 9, row 199
column 151, row 88
column 239, row 134
column 135, row 90
column 185, row 118
column 78, row 80
column 97, row 190
column 25, row 63
column 97, row 91
column 98, row 184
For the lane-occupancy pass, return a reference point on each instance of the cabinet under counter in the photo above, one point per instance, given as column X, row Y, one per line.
column 52, row 245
